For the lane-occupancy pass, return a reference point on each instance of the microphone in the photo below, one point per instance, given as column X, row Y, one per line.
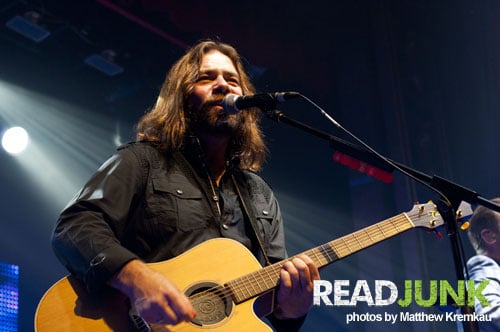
column 234, row 104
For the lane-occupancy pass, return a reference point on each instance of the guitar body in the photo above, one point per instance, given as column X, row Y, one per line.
column 66, row 306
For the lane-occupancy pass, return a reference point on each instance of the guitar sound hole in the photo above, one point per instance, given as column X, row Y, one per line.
column 211, row 302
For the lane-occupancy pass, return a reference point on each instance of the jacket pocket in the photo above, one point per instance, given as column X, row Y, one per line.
column 177, row 205
column 265, row 222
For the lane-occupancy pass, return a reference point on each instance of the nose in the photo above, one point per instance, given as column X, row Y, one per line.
column 221, row 85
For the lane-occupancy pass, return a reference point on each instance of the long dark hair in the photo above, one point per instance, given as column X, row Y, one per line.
column 166, row 122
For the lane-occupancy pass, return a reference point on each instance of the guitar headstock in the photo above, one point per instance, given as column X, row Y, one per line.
column 427, row 215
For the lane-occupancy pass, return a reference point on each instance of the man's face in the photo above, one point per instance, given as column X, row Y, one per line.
column 217, row 78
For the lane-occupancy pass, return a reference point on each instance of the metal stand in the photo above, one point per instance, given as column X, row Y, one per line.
column 453, row 194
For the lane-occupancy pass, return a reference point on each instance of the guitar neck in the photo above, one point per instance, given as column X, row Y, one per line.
column 359, row 240
column 263, row 280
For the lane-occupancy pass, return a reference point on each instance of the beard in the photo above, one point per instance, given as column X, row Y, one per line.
column 211, row 119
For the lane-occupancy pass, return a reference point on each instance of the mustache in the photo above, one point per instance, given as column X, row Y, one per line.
column 213, row 100
column 205, row 106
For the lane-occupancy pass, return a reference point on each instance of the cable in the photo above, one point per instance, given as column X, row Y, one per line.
column 369, row 148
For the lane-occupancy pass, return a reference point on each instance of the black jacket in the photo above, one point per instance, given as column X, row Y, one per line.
column 144, row 204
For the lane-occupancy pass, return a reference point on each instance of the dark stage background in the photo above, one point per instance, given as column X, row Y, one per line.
column 417, row 80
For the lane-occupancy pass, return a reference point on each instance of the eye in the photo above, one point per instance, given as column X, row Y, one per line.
column 233, row 80
column 203, row 77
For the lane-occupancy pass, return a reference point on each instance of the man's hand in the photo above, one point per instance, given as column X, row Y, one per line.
column 295, row 294
column 155, row 298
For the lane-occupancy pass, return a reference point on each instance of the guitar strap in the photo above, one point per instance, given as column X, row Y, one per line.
column 247, row 207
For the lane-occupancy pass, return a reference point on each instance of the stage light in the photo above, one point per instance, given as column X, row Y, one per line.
column 66, row 143
column 28, row 26
column 9, row 297
column 104, row 62
column 15, row 140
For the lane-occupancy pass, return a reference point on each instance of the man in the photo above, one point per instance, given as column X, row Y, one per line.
column 179, row 185
column 484, row 234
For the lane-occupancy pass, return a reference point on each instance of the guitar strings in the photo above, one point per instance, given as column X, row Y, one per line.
column 328, row 248
column 392, row 226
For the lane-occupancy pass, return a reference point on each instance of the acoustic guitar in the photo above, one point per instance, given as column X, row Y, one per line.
column 220, row 276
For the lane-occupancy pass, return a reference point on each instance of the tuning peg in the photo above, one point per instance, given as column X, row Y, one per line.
column 465, row 226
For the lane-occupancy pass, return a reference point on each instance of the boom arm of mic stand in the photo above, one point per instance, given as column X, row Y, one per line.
column 448, row 188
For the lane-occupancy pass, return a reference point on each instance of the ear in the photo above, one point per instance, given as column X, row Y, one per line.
column 489, row 237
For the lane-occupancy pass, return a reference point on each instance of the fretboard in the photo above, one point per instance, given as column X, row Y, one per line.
column 267, row 278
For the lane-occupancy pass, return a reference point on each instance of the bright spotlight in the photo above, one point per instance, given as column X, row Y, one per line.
column 15, row 140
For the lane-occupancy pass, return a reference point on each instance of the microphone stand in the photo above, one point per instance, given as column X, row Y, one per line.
column 454, row 193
